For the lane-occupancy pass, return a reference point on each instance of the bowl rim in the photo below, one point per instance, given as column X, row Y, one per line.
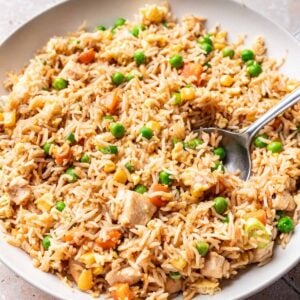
column 55, row 6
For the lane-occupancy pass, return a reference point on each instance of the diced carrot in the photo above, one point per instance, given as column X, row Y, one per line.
column 192, row 69
column 122, row 292
column 158, row 200
column 112, row 241
column 259, row 215
column 68, row 237
column 87, row 57
column 111, row 101
column 62, row 154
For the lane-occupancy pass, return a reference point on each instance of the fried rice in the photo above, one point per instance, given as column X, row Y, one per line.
column 105, row 184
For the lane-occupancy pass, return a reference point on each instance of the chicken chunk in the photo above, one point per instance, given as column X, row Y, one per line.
column 216, row 266
column 75, row 268
column 260, row 255
column 137, row 209
column 283, row 201
column 173, row 286
column 126, row 275
column 73, row 71
column 19, row 191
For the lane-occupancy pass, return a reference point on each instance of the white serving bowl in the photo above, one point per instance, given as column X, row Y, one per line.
column 67, row 17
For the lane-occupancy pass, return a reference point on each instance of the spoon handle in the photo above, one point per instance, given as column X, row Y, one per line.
column 276, row 110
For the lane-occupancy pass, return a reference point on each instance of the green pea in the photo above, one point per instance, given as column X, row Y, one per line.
column 254, row 69
column 130, row 76
column 164, row 178
column 175, row 141
column 228, row 52
column 60, row 205
column 110, row 149
column 226, row 219
column 141, row 189
column 118, row 78
column 176, row 61
column 250, row 62
column 285, row 224
column 146, row 132
column 220, row 205
column 59, row 83
column 101, row 28
column 275, row 147
column 46, row 242
column 135, row 31
column 108, row 118
column 47, row 147
column 258, row 142
column 218, row 166
column 177, row 98
column 117, row 130
column 202, row 248
column 139, row 58
column 206, row 39
column 193, row 144
column 85, row 158
column 207, row 48
column 247, row 54
column 73, row 176
column 70, row 137
column 119, row 22
column 175, row 275
column 129, row 167
column 220, row 151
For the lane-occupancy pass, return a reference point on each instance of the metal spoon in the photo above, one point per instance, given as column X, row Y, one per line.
column 237, row 145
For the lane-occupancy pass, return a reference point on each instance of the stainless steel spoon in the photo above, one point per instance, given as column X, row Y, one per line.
column 237, row 145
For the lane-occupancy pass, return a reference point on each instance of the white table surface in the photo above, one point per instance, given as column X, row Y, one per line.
column 13, row 13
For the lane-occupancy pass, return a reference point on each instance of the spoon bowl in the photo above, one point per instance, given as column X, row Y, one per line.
column 237, row 151
column 237, row 144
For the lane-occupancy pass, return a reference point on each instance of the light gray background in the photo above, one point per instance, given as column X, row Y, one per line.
column 13, row 13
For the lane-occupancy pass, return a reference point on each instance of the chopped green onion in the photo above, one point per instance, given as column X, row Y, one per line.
column 85, row 158
column 46, row 242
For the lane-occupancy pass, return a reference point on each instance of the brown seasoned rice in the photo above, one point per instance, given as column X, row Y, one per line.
column 88, row 226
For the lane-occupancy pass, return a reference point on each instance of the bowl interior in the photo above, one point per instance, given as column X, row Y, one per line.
column 67, row 17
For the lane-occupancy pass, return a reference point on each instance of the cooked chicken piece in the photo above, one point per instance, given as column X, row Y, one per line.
column 137, row 209
column 19, row 191
column 283, row 201
column 216, row 266
column 75, row 269
column 260, row 255
column 72, row 70
column 126, row 275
